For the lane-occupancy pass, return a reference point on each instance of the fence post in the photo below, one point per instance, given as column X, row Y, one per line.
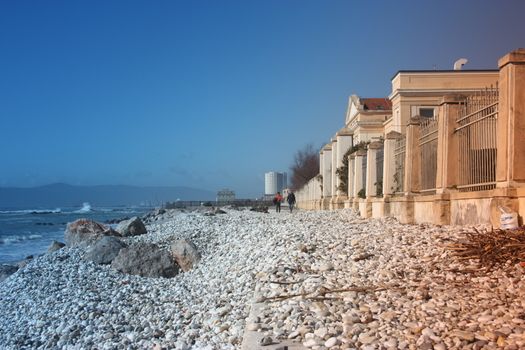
column 358, row 172
column 510, row 169
column 412, row 157
column 344, row 142
column 333, row 175
column 327, row 175
column 389, row 163
column 351, row 165
column 447, row 154
column 371, row 169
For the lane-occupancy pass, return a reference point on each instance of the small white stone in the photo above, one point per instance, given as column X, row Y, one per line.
column 331, row 342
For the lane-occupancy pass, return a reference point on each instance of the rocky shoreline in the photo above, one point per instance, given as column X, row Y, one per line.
column 324, row 279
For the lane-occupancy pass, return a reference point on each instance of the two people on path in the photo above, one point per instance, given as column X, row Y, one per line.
column 277, row 201
column 291, row 201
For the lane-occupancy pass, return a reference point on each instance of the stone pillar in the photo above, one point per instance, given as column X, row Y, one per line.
column 327, row 175
column 371, row 169
column 333, row 174
column 351, row 175
column 358, row 172
column 344, row 142
column 412, row 157
column 389, row 163
column 447, row 149
column 510, row 166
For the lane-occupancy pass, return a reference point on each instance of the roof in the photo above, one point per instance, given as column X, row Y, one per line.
column 376, row 104
column 447, row 71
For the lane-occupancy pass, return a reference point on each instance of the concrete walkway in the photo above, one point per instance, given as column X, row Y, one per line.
column 251, row 340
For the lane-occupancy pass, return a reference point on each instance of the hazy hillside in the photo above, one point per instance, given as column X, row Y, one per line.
column 57, row 195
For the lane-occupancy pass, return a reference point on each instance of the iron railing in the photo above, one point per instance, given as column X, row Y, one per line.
column 428, row 143
column 476, row 132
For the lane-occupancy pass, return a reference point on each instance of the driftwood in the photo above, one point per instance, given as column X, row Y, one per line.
column 491, row 248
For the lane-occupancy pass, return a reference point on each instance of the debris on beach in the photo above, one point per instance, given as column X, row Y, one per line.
column 491, row 248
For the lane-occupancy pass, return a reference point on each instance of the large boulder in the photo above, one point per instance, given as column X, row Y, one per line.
column 104, row 250
column 146, row 260
column 84, row 232
column 131, row 227
column 185, row 254
column 6, row 271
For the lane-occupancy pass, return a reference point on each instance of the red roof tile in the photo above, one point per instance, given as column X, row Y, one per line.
column 376, row 104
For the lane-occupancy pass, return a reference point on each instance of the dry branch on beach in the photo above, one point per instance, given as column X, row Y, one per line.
column 491, row 248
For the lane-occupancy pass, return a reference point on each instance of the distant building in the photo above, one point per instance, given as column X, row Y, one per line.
column 274, row 182
column 225, row 196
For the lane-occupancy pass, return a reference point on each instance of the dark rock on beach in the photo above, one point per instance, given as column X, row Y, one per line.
column 131, row 227
column 105, row 250
column 84, row 232
column 116, row 221
column 146, row 260
column 6, row 271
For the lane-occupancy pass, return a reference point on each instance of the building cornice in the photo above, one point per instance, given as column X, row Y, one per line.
column 444, row 72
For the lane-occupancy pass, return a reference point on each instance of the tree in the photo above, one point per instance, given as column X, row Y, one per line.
column 304, row 167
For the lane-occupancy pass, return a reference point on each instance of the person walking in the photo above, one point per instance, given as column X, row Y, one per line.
column 277, row 201
column 291, row 201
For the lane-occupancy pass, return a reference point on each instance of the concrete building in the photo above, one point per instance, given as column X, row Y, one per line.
column 274, row 182
column 225, row 196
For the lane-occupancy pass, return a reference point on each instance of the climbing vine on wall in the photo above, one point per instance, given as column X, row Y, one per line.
column 342, row 171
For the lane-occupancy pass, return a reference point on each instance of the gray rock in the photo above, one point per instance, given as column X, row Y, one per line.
column 146, row 260
column 265, row 341
column 105, row 250
column 131, row 227
column 84, row 232
column 6, row 271
column 185, row 254
column 55, row 246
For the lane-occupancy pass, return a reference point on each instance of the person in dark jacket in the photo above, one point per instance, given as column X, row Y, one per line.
column 291, row 201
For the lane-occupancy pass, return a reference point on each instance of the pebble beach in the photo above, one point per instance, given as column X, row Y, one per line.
column 325, row 280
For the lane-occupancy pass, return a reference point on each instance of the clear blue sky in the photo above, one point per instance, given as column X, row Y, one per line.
column 211, row 94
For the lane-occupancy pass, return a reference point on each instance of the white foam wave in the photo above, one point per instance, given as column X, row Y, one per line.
column 86, row 208
column 32, row 211
column 16, row 239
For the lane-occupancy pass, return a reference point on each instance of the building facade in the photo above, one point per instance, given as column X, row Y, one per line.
column 225, row 196
column 448, row 152
column 274, row 182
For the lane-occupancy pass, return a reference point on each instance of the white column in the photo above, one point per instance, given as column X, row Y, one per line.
column 344, row 142
column 358, row 172
column 327, row 171
column 371, row 169
column 389, row 162
column 351, row 174
column 333, row 175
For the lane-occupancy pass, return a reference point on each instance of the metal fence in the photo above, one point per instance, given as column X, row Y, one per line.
column 476, row 132
column 399, row 159
column 379, row 171
column 428, row 143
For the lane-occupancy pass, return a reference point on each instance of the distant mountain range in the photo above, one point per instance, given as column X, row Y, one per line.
column 64, row 195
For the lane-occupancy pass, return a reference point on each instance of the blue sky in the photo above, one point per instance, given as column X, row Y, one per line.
column 211, row 94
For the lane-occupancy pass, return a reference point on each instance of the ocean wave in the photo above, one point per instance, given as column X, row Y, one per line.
column 32, row 211
column 86, row 208
column 16, row 239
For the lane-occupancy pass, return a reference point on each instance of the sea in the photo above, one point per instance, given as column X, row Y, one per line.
column 26, row 232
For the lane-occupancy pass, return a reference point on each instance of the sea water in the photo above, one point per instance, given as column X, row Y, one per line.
column 25, row 232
